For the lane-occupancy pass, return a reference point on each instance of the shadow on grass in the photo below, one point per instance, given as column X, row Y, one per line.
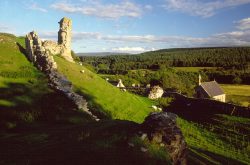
column 198, row 156
column 27, row 104
column 21, row 49
column 104, row 142
column 195, row 112
column 95, row 108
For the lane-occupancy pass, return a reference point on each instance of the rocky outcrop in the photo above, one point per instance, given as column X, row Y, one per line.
column 156, row 92
column 161, row 128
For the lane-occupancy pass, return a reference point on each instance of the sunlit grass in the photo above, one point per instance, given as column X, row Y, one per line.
column 104, row 96
column 239, row 94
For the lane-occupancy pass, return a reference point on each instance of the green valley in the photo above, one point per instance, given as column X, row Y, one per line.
column 45, row 125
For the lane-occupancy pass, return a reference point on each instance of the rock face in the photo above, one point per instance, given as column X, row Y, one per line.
column 161, row 128
column 156, row 92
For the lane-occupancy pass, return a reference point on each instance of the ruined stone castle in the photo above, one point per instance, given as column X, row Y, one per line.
column 61, row 47
column 40, row 53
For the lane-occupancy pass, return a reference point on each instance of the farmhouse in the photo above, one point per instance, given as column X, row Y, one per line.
column 210, row 90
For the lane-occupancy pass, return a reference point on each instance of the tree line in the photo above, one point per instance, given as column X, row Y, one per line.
column 231, row 64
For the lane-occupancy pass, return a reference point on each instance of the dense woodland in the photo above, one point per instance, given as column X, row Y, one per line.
column 227, row 64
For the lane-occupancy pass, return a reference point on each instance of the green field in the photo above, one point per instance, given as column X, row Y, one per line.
column 224, row 140
column 239, row 94
column 191, row 69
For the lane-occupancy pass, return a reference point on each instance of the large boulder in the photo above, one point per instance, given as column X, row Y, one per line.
column 161, row 128
column 156, row 92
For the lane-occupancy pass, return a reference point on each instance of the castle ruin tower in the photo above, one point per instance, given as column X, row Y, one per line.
column 64, row 38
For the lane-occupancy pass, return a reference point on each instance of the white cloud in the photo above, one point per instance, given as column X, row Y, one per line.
column 129, row 49
column 132, row 50
column 148, row 7
column 235, row 38
column 244, row 24
column 201, row 8
column 6, row 28
column 96, row 8
column 34, row 6
column 142, row 43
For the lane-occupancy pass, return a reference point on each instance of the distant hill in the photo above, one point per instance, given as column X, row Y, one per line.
column 227, row 57
column 101, row 54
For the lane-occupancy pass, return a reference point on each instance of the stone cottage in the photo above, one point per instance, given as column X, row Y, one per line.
column 210, row 90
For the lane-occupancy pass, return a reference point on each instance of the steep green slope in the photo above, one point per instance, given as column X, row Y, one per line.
column 104, row 97
column 20, row 82
column 40, row 126
column 25, row 95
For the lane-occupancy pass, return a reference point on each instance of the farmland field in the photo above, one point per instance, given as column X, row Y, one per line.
column 191, row 69
column 239, row 94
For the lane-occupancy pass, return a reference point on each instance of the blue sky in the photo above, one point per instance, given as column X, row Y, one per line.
column 132, row 26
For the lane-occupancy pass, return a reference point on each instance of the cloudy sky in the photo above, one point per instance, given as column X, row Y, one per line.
column 132, row 26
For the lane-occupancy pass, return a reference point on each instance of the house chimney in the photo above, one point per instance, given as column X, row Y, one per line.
column 199, row 79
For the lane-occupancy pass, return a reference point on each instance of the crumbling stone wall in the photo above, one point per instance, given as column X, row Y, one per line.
column 37, row 54
column 40, row 55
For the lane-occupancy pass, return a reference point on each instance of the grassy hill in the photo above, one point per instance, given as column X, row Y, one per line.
column 40, row 126
column 221, row 139
column 25, row 96
column 104, row 97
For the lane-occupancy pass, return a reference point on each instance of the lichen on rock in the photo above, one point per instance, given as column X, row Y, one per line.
column 161, row 128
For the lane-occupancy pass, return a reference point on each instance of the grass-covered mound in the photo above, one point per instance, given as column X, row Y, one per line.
column 25, row 96
column 103, row 96
column 40, row 126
